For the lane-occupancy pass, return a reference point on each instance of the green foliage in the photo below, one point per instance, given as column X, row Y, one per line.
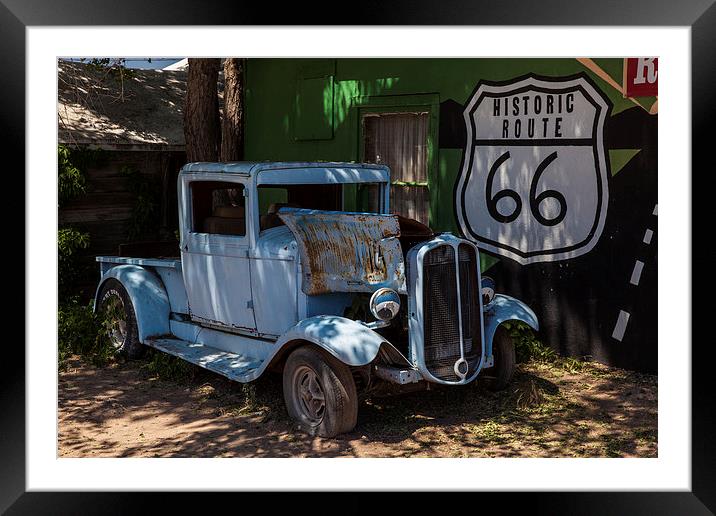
column 145, row 213
column 573, row 365
column 168, row 367
column 100, row 62
column 72, row 167
column 527, row 345
column 71, row 180
column 72, row 183
column 84, row 158
column 114, row 67
column 82, row 332
column 69, row 242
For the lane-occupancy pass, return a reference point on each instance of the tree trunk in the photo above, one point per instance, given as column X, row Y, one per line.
column 232, row 130
column 201, row 116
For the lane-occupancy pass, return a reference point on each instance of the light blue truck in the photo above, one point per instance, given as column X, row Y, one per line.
column 300, row 268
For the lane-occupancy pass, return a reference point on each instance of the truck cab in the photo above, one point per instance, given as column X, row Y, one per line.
column 240, row 260
column 301, row 268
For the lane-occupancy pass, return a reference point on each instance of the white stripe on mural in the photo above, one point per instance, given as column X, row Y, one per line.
column 647, row 236
column 621, row 325
column 636, row 273
column 655, row 206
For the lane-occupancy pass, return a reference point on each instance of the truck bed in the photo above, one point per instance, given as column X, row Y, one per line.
column 149, row 249
column 172, row 263
column 169, row 271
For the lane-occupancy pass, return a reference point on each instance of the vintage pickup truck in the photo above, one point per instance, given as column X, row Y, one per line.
column 301, row 268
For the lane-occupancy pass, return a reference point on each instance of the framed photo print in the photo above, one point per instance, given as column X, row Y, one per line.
column 415, row 249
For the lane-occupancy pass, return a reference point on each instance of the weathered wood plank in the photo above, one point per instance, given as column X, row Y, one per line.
column 103, row 213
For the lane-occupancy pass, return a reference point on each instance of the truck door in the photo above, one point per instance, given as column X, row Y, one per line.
column 215, row 259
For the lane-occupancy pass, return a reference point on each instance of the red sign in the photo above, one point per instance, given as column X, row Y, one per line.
column 641, row 76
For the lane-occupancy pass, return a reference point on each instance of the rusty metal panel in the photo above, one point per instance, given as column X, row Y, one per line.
column 346, row 252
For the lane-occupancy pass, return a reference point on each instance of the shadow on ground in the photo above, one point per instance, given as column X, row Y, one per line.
column 123, row 411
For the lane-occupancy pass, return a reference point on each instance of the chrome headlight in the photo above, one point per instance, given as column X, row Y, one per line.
column 384, row 304
column 487, row 289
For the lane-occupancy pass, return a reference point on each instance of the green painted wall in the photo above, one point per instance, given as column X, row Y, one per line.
column 310, row 110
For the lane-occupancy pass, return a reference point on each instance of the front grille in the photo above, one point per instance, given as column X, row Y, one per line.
column 440, row 309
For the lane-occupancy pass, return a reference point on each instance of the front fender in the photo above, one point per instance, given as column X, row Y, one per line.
column 347, row 340
column 148, row 295
column 505, row 308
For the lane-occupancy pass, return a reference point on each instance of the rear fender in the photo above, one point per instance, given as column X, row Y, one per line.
column 505, row 308
column 148, row 295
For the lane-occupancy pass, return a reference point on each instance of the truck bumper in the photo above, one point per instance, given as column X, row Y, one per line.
column 400, row 376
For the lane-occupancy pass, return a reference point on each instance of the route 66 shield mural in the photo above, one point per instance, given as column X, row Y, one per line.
column 533, row 184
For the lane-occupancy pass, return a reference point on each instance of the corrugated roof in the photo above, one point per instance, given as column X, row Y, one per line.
column 140, row 107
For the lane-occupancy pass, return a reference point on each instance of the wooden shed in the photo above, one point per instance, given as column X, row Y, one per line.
column 129, row 125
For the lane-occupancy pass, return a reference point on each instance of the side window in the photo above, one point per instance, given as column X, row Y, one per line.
column 218, row 208
column 400, row 140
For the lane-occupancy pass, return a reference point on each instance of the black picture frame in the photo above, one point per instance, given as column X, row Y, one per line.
column 700, row 15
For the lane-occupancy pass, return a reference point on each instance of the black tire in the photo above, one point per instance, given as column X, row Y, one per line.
column 310, row 373
column 503, row 351
column 115, row 306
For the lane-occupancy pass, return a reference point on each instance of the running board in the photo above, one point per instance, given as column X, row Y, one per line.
column 240, row 368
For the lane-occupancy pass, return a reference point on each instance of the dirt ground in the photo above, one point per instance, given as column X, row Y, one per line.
column 558, row 409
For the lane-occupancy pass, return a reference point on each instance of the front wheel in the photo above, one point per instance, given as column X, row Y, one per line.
column 503, row 352
column 117, row 311
column 319, row 392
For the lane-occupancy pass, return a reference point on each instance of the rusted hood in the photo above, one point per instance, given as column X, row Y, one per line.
column 346, row 252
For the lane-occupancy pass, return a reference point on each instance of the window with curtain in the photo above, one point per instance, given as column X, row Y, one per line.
column 400, row 140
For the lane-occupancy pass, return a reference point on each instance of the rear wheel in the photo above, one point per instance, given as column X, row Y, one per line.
column 320, row 392
column 503, row 351
column 116, row 309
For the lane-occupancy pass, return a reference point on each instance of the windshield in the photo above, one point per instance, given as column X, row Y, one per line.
column 352, row 197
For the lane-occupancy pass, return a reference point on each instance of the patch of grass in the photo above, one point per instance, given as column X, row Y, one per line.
column 207, row 392
column 645, row 435
column 386, row 417
column 529, row 348
column 616, row 446
column 535, row 415
column 572, row 365
column 490, row 432
column 261, row 398
column 82, row 332
column 168, row 367
column 527, row 345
